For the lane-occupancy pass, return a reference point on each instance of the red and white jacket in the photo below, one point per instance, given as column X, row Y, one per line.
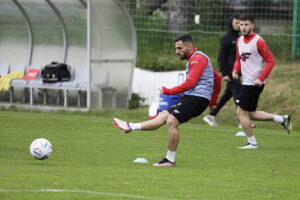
column 197, row 65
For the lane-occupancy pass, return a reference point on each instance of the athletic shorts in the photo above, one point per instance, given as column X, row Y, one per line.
column 235, row 88
column 248, row 98
column 188, row 108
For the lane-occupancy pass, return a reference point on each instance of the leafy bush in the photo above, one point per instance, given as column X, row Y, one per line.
column 135, row 101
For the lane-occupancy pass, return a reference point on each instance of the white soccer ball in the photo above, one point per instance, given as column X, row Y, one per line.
column 41, row 149
column 153, row 110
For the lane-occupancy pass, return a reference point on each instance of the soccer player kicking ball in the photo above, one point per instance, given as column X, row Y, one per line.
column 254, row 61
column 200, row 90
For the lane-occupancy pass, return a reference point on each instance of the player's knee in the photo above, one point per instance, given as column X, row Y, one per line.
column 172, row 121
column 251, row 115
column 162, row 117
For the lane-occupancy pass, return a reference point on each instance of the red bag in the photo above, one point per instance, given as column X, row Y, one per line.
column 32, row 74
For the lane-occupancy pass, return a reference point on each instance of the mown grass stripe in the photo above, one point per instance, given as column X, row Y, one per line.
column 80, row 191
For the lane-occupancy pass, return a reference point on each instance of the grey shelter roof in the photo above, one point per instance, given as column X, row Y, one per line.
column 95, row 34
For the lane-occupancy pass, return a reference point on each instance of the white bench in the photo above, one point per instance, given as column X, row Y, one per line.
column 78, row 82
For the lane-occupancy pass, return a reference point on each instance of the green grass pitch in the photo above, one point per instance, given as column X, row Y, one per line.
column 93, row 160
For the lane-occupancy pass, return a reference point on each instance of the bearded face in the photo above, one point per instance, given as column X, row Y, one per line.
column 246, row 27
column 182, row 49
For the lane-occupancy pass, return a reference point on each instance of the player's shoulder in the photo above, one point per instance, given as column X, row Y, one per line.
column 257, row 38
column 198, row 57
column 260, row 41
column 239, row 38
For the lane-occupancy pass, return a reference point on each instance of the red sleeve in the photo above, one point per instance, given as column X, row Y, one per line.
column 237, row 64
column 216, row 88
column 197, row 65
column 266, row 53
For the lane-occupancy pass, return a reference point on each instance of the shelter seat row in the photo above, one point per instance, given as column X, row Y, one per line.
column 78, row 82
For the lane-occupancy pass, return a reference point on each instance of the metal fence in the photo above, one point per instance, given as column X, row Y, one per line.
column 158, row 22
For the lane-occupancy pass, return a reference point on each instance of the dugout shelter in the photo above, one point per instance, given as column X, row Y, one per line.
column 95, row 37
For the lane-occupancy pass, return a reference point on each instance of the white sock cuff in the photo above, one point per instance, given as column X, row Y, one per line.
column 252, row 140
column 135, row 126
column 171, row 156
column 278, row 118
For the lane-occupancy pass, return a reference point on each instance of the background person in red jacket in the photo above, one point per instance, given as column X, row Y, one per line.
column 254, row 61
column 200, row 90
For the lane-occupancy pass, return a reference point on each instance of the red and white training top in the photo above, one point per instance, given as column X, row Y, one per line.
column 253, row 59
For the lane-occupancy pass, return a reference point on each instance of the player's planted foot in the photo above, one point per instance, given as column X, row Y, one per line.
column 211, row 120
column 164, row 163
column 122, row 125
column 249, row 146
column 287, row 124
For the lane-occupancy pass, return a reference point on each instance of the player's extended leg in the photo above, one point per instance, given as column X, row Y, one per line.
column 261, row 116
column 157, row 122
column 153, row 124
column 284, row 120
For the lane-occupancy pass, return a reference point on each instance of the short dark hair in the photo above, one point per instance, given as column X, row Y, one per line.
column 184, row 38
column 235, row 16
column 247, row 17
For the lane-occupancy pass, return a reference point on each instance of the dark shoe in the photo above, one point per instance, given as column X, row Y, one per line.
column 164, row 163
column 287, row 124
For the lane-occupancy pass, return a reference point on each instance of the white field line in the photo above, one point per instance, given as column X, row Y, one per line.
column 80, row 191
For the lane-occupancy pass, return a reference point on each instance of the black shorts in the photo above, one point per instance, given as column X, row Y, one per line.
column 188, row 107
column 235, row 88
column 248, row 98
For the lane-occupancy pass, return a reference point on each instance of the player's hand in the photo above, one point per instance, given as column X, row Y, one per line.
column 212, row 107
column 235, row 75
column 226, row 78
column 258, row 83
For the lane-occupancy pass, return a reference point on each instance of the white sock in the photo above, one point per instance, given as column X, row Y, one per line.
column 252, row 140
column 135, row 126
column 171, row 156
column 278, row 118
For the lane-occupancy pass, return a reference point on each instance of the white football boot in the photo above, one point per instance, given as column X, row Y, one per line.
column 211, row 120
column 122, row 125
column 249, row 146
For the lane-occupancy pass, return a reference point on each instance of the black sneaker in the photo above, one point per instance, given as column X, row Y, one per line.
column 164, row 163
column 287, row 124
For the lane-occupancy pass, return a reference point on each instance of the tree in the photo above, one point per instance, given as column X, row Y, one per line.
column 180, row 15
